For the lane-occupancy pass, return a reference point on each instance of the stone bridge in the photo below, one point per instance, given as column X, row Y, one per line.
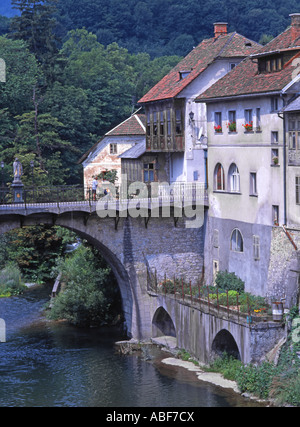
column 136, row 248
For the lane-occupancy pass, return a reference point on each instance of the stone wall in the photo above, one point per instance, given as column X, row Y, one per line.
column 284, row 266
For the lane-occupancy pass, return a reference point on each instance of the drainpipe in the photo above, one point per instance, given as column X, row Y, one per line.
column 284, row 163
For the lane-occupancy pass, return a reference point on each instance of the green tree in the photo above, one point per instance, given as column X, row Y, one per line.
column 87, row 298
column 22, row 74
column 35, row 26
column 40, row 135
column 34, row 249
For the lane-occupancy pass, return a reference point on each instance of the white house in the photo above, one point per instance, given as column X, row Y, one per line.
column 104, row 155
column 175, row 124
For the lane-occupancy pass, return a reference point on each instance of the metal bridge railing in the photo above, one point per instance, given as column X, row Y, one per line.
column 165, row 193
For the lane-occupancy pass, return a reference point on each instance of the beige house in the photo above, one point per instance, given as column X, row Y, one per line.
column 104, row 155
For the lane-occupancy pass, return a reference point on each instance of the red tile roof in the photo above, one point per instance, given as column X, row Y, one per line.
column 225, row 46
column 134, row 125
column 244, row 78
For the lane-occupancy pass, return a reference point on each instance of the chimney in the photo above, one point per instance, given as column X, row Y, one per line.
column 295, row 18
column 220, row 29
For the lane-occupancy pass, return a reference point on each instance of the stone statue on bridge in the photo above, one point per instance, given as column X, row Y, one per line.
column 17, row 184
column 18, row 170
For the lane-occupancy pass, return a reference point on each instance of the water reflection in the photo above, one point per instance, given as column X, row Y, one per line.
column 45, row 364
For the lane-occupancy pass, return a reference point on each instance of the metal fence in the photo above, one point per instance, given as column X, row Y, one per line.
column 173, row 193
column 209, row 299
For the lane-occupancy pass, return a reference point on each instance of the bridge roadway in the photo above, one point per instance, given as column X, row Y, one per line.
column 137, row 247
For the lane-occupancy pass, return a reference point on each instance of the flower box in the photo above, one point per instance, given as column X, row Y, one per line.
column 248, row 127
column 218, row 129
column 231, row 126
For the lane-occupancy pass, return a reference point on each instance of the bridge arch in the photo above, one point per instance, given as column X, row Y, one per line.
column 76, row 222
column 224, row 342
column 162, row 324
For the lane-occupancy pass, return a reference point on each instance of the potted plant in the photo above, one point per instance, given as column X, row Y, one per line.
column 218, row 129
column 248, row 127
column 275, row 160
column 231, row 126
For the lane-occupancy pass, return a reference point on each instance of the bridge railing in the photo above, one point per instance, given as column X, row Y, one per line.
column 176, row 192
column 210, row 300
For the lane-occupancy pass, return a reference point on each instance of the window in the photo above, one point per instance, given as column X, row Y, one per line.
column 148, row 124
column 234, row 178
column 236, row 241
column 113, row 148
column 248, row 120
column 274, row 137
column 178, row 118
column 253, row 185
column 275, row 214
column 297, row 186
column 258, row 120
column 184, row 74
column 219, row 178
column 270, row 65
column 218, row 122
column 232, row 65
column 215, row 270
column 274, row 103
column 216, row 238
column 169, row 122
column 148, row 172
column 256, row 247
column 274, row 157
column 154, row 123
column 231, row 121
column 161, row 129
column 294, row 132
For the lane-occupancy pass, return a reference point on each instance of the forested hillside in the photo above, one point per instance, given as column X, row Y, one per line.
column 168, row 27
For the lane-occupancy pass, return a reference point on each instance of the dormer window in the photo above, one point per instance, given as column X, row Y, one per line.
column 270, row 64
column 183, row 74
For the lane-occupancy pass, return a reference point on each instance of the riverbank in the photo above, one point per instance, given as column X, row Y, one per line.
column 171, row 357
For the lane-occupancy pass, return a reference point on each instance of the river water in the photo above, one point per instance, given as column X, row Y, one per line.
column 50, row 364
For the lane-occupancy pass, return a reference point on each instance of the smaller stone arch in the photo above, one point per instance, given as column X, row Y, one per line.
column 224, row 342
column 162, row 324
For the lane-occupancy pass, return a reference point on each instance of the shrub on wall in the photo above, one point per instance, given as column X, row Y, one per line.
column 229, row 281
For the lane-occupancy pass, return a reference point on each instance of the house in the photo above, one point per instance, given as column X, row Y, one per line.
column 176, row 125
column 253, row 118
column 105, row 154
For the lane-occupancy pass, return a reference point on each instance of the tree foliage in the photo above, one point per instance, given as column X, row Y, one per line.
column 88, row 297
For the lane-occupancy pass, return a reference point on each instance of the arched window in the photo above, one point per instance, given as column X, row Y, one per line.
column 219, row 177
column 236, row 241
column 234, row 178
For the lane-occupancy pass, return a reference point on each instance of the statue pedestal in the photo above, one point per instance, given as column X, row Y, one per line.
column 17, row 188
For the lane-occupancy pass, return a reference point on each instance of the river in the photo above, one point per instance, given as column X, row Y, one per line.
column 50, row 364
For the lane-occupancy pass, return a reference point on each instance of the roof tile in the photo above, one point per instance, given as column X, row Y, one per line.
column 225, row 46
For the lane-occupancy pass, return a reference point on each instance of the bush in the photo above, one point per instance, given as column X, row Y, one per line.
column 87, row 297
column 226, row 365
column 229, row 281
column 11, row 280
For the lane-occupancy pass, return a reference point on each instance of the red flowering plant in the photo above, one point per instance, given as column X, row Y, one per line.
column 218, row 128
column 248, row 126
column 231, row 126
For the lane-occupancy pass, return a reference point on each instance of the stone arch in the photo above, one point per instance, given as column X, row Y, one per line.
column 162, row 324
column 76, row 223
column 225, row 342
